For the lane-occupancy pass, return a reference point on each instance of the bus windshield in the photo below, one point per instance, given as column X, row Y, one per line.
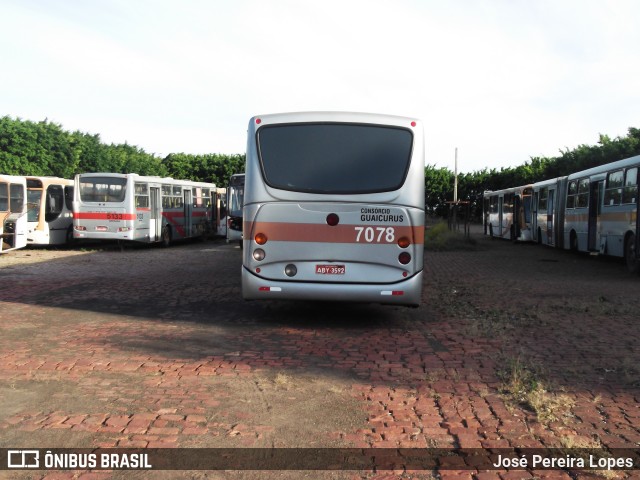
column 334, row 158
column 236, row 195
column 102, row 189
column 4, row 197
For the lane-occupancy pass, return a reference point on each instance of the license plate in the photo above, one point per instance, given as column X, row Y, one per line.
column 330, row 269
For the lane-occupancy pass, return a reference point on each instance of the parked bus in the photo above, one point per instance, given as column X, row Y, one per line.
column 334, row 208
column 220, row 212
column 601, row 212
column 13, row 213
column 235, row 199
column 113, row 206
column 548, row 211
column 507, row 213
column 49, row 210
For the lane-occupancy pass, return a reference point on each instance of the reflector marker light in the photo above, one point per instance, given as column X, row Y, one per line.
column 332, row 219
column 404, row 258
column 258, row 121
column 269, row 289
column 394, row 293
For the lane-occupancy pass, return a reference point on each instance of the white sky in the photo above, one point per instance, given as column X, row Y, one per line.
column 502, row 80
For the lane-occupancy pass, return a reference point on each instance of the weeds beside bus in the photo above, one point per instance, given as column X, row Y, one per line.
column 13, row 213
column 49, row 210
column 334, row 208
column 235, row 201
column 130, row 207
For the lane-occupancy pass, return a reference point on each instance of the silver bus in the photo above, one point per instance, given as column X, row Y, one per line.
column 601, row 212
column 507, row 213
column 114, row 206
column 334, row 208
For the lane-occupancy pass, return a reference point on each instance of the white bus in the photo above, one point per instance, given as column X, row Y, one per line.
column 235, row 199
column 113, row 206
column 334, row 208
column 601, row 213
column 548, row 211
column 13, row 213
column 507, row 213
column 49, row 210
column 220, row 212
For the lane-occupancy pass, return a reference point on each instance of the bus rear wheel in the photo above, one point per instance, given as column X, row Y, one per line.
column 630, row 256
column 69, row 236
column 166, row 236
column 573, row 242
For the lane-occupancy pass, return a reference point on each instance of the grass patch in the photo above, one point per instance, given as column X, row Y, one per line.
column 439, row 238
column 522, row 385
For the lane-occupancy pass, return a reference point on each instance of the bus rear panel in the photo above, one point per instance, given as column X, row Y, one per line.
column 334, row 208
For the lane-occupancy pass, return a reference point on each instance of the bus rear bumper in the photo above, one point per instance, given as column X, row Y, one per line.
column 407, row 292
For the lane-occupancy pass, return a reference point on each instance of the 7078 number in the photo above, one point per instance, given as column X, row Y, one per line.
column 375, row 234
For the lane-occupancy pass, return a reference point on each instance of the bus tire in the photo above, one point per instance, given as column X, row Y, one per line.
column 491, row 232
column 573, row 242
column 69, row 237
column 166, row 236
column 630, row 254
column 539, row 236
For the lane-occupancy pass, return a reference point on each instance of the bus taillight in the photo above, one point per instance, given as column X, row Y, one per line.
column 332, row 219
column 260, row 238
column 258, row 254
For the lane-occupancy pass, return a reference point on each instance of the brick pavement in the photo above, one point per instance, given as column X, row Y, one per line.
column 155, row 348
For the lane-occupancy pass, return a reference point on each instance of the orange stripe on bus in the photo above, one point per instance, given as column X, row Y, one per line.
column 313, row 232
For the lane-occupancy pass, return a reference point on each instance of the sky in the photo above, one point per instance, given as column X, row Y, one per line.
column 500, row 80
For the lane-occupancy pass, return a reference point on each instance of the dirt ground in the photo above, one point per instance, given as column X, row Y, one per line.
column 514, row 346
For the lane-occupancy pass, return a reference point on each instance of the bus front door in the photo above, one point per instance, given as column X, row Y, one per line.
column 187, row 213
column 500, row 216
column 550, row 216
column 155, row 224
column 595, row 193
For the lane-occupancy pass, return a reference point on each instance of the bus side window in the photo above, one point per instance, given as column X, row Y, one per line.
column 572, row 194
column 582, row 200
column 613, row 192
column 68, row 197
column 542, row 201
column 4, row 197
column 55, row 199
column 630, row 185
column 17, row 198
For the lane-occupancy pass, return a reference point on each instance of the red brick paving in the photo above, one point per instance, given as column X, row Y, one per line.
column 425, row 377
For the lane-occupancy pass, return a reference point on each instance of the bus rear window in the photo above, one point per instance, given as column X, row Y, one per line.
column 102, row 189
column 334, row 158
